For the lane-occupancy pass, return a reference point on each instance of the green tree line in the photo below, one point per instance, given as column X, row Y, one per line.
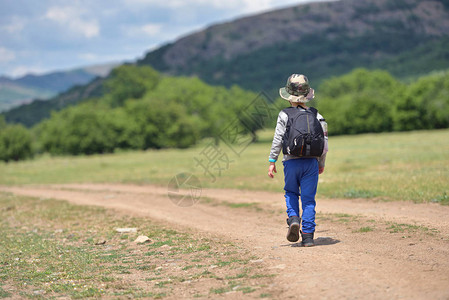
column 374, row 101
column 141, row 109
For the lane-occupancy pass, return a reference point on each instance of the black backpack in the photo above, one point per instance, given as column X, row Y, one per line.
column 304, row 136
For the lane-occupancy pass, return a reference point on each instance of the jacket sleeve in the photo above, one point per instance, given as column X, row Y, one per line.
column 279, row 132
column 322, row 159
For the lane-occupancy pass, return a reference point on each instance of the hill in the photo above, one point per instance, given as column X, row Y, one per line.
column 405, row 37
column 32, row 113
column 408, row 38
column 15, row 92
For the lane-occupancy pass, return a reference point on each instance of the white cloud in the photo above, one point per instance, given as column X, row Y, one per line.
column 88, row 56
column 21, row 70
column 74, row 18
column 137, row 31
column 88, row 29
column 15, row 25
column 166, row 3
column 59, row 14
column 45, row 35
column 152, row 29
column 6, row 55
column 240, row 6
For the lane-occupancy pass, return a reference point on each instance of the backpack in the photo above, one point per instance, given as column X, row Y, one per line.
column 304, row 136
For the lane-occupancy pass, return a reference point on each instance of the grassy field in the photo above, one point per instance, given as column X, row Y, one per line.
column 51, row 249
column 389, row 166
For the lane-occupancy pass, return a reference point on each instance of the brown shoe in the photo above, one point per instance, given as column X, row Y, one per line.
column 293, row 228
column 307, row 239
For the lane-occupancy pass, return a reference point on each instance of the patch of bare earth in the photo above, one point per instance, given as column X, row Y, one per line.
column 365, row 249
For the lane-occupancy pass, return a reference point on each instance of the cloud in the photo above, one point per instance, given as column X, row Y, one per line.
column 88, row 56
column 21, row 70
column 152, row 29
column 139, row 31
column 237, row 6
column 75, row 19
column 6, row 55
column 166, row 3
column 58, row 14
column 15, row 25
column 50, row 35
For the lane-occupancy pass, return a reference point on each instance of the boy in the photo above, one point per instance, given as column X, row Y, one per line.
column 300, row 171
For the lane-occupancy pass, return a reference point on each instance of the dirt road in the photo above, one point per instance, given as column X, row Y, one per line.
column 365, row 249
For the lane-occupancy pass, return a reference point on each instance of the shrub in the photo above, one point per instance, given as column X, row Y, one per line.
column 361, row 101
column 15, row 142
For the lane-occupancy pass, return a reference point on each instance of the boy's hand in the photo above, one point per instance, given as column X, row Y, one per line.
column 271, row 169
column 320, row 170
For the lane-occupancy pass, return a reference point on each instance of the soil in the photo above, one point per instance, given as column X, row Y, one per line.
column 365, row 249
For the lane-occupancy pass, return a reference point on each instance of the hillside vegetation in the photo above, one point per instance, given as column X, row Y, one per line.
column 13, row 95
column 22, row 90
column 142, row 109
column 374, row 101
column 408, row 38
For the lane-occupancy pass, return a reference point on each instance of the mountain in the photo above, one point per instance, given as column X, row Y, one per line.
column 405, row 37
column 32, row 113
column 15, row 92
column 408, row 38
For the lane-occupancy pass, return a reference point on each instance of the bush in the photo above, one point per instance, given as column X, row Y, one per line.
column 83, row 129
column 361, row 101
column 175, row 112
column 426, row 104
column 129, row 82
column 156, row 124
column 15, row 142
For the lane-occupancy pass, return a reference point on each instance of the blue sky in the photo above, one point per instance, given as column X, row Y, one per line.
column 48, row 35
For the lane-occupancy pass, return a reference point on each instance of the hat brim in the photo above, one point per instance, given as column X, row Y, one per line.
column 302, row 99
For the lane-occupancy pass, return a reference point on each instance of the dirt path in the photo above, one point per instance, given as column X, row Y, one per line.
column 366, row 250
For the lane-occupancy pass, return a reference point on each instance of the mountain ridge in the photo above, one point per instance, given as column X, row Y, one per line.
column 364, row 30
column 408, row 38
column 23, row 90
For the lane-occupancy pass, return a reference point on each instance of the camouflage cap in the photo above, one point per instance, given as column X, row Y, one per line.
column 297, row 89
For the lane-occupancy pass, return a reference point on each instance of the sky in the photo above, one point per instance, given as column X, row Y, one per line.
column 51, row 35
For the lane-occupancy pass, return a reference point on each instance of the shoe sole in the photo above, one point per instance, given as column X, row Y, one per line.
column 308, row 244
column 293, row 233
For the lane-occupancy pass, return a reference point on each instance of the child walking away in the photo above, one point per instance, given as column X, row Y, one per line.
column 301, row 133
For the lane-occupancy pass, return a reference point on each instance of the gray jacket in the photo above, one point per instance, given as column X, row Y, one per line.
column 276, row 146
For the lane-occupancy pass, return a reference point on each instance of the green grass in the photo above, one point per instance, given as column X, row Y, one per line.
column 252, row 205
column 49, row 250
column 365, row 229
column 442, row 199
column 389, row 166
column 361, row 224
column 401, row 227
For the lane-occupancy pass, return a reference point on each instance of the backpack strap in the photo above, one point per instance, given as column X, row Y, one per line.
column 314, row 111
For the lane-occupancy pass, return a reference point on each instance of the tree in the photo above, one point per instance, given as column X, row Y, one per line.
column 129, row 82
column 155, row 123
column 15, row 142
column 361, row 101
column 425, row 105
column 83, row 129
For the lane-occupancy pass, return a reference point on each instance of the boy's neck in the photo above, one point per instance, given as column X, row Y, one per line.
column 296, row 104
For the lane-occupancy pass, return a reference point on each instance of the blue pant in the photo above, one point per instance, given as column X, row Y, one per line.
column 301, row 173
